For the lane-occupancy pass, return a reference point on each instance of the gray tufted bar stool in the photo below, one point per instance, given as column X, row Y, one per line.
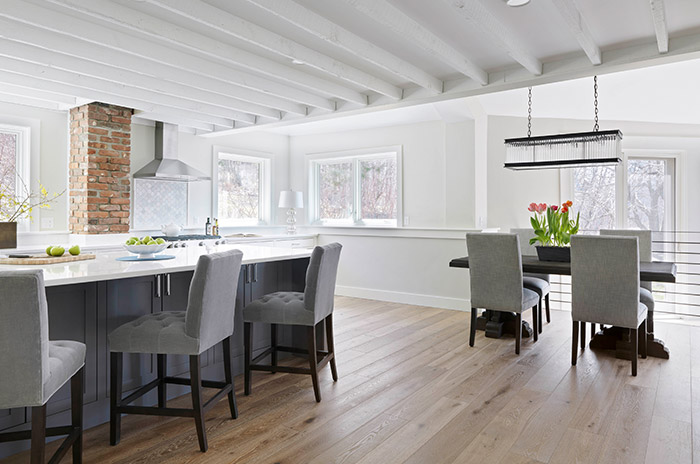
column 207, row 322
column 34, row 368
column 313, row 306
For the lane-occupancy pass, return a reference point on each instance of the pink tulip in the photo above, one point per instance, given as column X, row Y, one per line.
column 554, row 207
column 532, row 208
column 541, row 208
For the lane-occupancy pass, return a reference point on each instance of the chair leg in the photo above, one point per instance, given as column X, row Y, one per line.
column 635, row 350
column 196, row 385
column 38, row 434
column 248, row 342
column 115, row 397
column 546, row 302
column 535, row 320
column 313, row 363
column 228, row 375
column 643, row 339
column 273, row 345
column 472, row 327
column 162, row 387
column 539, row 316
column 518, row 332
column 593, row 324
column 583, row 335
column 76, row 410
column 331, row 346
column 574, row 343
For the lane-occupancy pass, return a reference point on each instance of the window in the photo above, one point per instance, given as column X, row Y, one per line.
column 242, row 189
column 14, row 161
column 356, row 188
column 639, row 194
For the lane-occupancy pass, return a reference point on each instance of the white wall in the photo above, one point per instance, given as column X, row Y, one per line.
column 49, row 153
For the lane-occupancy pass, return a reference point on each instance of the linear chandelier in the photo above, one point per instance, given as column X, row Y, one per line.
column 595, row 148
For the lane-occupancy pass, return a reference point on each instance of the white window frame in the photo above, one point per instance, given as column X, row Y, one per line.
column 265, row 189
column 679, row 219
column 22, row 165
column 313, row 161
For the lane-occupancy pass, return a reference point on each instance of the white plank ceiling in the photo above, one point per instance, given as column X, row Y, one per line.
column 217, row 66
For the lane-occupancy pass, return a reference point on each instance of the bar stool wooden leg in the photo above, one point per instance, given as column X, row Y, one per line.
column 76, row 410
column 643, row 339
column 574, row 343
column 273, row 345
column 115, row 397
column 313, row 363
column 546, row 304
column 228, row 375
column 539, row 316
column 583, row 335
column 162, row 388
column 247, row 342
column 518, row 332
column 196, row 385
column 635, row 350
column 331, row 345
column 472, row 327
column 38, row 434
column 535, row 325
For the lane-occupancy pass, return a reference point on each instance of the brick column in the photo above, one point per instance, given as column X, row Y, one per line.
column 100, row 149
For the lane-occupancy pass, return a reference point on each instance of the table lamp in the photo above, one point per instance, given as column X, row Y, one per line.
column 291, row 199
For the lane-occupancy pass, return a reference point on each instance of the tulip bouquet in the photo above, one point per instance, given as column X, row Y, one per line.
column 552, row 225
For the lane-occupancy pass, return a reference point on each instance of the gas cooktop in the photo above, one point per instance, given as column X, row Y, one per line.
column 182, row 241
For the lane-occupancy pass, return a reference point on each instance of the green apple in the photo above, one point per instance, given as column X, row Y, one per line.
column 57, row 251
column 48, row 250
column 135, row 239
column 146, row 239
column 160, row 241
column 74, row 250
column 132, row 241
column 152, row 242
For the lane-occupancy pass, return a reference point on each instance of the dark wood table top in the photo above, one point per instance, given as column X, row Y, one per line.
column 655, row 271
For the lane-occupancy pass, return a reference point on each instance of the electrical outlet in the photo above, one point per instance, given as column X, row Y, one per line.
column 47, row 223
column 406, row 220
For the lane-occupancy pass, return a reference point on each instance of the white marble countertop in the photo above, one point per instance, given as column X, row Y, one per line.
column 106, row 267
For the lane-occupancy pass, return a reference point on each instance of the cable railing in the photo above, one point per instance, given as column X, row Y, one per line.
column 681, row 298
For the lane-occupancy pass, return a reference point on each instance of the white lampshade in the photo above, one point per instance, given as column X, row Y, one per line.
column 291, row 199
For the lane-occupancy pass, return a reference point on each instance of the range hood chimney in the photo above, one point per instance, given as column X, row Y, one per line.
column 166, row 165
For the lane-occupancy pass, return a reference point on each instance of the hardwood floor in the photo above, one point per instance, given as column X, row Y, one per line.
column 412, row 390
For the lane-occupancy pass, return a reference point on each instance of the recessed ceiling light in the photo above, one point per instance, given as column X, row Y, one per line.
column 295, row 61
column 517, row 2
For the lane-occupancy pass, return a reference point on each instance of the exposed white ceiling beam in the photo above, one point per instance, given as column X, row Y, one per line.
column 571, row 14
column 413, row 32
column 658, row 14
column 61, row 61
column 33, row 78
column 29, row 101
column 76, row 55
column 333, row 34
column 39, row 94
column 155, row 54
column 474, row 12
column 202, row 45
column 222, row 21
column 180, row 121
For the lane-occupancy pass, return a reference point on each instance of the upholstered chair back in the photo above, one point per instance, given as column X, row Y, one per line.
column 212, row 298
column 605, row 280
column 320, row 280
column 24, row 338
column 644, row 237
column 495, row 271
column 524, row 236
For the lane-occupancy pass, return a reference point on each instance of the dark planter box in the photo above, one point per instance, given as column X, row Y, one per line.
column 8, row 235
column 554, row 253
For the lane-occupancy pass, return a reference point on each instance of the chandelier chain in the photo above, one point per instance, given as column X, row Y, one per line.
column 595, row 102
column 529, row 111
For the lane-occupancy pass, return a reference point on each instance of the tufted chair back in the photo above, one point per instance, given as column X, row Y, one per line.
column 320, row 280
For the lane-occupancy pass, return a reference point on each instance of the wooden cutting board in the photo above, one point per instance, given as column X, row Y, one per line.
column 44, row 259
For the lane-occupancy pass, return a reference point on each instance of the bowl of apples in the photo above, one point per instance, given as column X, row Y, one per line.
column 145, row 247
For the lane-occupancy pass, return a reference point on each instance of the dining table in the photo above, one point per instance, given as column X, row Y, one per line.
column 495, row 324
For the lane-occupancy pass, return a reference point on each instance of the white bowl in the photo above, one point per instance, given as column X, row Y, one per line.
column 146, row 251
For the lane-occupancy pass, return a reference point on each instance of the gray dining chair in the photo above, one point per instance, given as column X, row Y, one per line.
column 539, row 283
column 496, row 280
column 34, row 367
column 207, row 321
column 313, row 306
column 605, row 289
column 645, row 254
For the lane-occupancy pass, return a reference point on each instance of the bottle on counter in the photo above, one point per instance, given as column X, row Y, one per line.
column 207, row 227
column 216, row 226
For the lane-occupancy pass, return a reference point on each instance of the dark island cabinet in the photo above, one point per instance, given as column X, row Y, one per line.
column 88, row 312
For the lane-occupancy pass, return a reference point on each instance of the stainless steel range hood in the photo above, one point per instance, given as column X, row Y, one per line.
column 166, row 165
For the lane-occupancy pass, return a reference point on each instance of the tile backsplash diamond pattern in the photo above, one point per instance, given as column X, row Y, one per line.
column 158, row 202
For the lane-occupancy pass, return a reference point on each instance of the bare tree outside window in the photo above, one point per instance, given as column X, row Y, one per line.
column 594, row 196
column 335, row 190
column 239, row 189
column 378, row 194
column 8, row 162
column 647, row 189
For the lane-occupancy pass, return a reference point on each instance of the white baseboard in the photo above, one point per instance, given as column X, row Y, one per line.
column 404, row 298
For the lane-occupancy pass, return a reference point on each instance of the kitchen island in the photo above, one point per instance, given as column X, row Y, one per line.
column 88, row 299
